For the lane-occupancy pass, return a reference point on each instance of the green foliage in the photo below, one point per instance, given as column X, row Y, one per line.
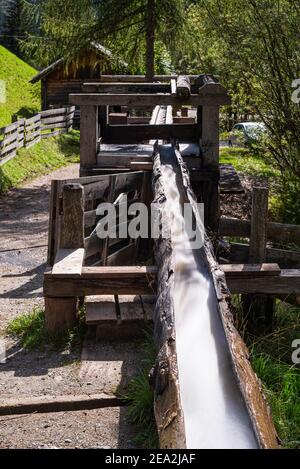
column 69, row 27
column 22, row 98
column 271, row 360
column 30, row 329
column 139, row 397
column 247, row 161
column 45, row 156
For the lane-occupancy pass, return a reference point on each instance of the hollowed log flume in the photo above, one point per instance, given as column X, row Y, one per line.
column 206, row 392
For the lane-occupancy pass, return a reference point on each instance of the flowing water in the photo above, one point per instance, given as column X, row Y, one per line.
column 214, row 411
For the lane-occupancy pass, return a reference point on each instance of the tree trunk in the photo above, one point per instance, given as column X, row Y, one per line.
column 150, row 38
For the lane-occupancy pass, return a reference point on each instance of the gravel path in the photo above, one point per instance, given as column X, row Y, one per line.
column 23, row 251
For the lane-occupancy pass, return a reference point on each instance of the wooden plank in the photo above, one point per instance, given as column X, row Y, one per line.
column 9, row 139
column 117, row 118
column 287, row 283
column 141, row 165
column 123, row 256
column 283, row 233
column 72, row 225
column 88, row 135
column 52, row 224
column 239, row 253
column 101, row 312
column 141, row 133
column 9, row 148
column 71, row 287
column 66, row 403
column 7, row 158
column 249, row 270
column 54, row 120
column 54, row 112
column 119, row 272
column 9, row 128
column 33, row 120
column 142, row 100
column 173, row 87
column 136, row 78
column 259, row 217
column 69, row 262
column 126, row 88
column 61, row 125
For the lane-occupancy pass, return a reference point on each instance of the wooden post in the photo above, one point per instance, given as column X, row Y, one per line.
column 60, row 313
column 258, row 310
column 89, row 135
column 208, row 117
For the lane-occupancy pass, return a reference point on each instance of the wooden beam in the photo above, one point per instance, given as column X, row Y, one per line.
column 283, row 233
column 143, row 132
column 72, row 225
column 288, row 282
column 250, row 270
column 239, row 253
column 126, row 88
column 142, row 100
column 69, row 262
column 259, row 217
column 183, row 90
column 88, row 135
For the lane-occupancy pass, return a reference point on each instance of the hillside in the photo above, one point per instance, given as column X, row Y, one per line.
column 21, row 97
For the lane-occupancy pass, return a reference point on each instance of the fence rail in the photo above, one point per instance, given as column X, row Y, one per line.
column 28, row 132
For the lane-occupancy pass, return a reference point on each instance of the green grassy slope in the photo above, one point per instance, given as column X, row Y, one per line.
column 21, row 97
column 42, row 158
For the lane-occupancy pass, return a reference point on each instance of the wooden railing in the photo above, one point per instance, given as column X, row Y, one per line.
column 28, row 132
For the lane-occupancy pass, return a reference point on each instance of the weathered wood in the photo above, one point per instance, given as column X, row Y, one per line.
column 126, row 88
column 287, row 283
column 117, row 118
column 142, row 100
column 60, row 312
column 247, row 380
column 98, row 285
column 72, row 228
column 259, row 310
column 173, row 87
column 68, row 262
column 183, row 90
column 259, row 217
column 249, row 270
column 167, row 405
column 239, row 253
column 88, row 135
column 140, row 133
column 279, row 232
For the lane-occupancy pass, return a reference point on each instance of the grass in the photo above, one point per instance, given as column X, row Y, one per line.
column 22, row 97
column 139, row 398
column 247, row 161
column 45, row 156
column 271, row 358
column 30, row 329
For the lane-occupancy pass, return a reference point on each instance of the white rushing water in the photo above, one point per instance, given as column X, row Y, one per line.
column 214, row 412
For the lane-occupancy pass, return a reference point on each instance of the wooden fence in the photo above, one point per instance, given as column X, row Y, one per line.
column 28, row 132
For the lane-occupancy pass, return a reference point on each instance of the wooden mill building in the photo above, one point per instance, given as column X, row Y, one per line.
column 60, row 79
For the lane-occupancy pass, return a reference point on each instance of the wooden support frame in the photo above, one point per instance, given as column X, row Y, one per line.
column 89, row 135
column 143, row 100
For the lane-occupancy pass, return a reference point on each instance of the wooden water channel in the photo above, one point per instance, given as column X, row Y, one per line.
column 118, row 159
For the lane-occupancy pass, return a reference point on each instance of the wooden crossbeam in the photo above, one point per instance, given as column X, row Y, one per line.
column 132, row 280
column 142, row 100
column 142, row 132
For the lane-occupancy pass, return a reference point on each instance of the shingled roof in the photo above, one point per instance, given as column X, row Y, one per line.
column 98, row 48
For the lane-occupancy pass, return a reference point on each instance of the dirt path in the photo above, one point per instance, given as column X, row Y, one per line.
column 23, row 250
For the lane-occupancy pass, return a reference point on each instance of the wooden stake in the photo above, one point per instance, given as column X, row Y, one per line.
column 258, row 310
